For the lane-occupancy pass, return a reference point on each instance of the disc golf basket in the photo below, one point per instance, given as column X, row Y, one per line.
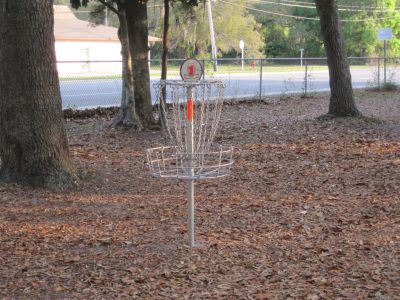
column 190, row 111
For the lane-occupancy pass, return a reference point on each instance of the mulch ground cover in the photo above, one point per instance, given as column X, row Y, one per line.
column 310, row 211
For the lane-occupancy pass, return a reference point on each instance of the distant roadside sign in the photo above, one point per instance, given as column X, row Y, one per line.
column 241, row 44
column 385, row 34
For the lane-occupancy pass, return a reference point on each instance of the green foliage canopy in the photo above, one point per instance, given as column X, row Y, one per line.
column 190, row 35
column 284, row 36
column 275, row 36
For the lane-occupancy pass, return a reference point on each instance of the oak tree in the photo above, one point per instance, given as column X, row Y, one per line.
column 136, row 19
column 127, row 115
column 342, row 100
column 33, row 142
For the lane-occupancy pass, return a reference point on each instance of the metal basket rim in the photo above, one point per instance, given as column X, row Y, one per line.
column 221, row 148
column 160, row 165
column 189, row 83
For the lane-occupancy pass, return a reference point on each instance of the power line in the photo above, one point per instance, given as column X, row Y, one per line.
column 295, row 4
column 354, row 6
column 312, row 4
column 281, row 4
column 293, row 16
column 270, row 12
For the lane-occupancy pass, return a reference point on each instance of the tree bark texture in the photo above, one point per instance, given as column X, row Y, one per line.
column 164, row 59
column 342, row 100
column 127, row 115
column 33, row 143
column 165, row 41
column 136, row 17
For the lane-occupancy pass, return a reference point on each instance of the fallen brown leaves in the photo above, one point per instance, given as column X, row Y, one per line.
column 311, row 211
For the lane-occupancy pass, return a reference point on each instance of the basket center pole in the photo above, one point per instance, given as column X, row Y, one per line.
column 189, row 147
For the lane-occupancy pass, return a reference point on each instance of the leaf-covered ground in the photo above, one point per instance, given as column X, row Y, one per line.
column 311, row 211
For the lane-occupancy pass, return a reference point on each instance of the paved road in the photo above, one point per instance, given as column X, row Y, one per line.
column 107, row 92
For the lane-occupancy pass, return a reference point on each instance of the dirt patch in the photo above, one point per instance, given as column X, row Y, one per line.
column 311, row 211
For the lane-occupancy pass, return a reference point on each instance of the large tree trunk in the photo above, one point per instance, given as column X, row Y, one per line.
column 342, row 99
column 136, row 17
column 33, row 143
column 127, row 115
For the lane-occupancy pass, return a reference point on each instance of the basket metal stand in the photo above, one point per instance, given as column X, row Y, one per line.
column 191, row 125
column 166, row 162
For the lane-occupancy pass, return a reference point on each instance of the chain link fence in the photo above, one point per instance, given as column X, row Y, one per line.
column 90, row 84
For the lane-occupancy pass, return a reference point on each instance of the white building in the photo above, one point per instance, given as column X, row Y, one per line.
column 78, row 42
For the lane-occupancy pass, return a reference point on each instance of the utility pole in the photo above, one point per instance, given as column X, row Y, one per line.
column 212, row 36
column 241, row 46
column 301, row 56
column 106, row 17
column 384, row 62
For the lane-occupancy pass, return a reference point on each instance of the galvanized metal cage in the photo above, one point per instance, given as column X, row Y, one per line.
column 190, row 112
column 169, row 162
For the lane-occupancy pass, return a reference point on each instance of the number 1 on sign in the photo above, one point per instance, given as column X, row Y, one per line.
column 191, row 69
